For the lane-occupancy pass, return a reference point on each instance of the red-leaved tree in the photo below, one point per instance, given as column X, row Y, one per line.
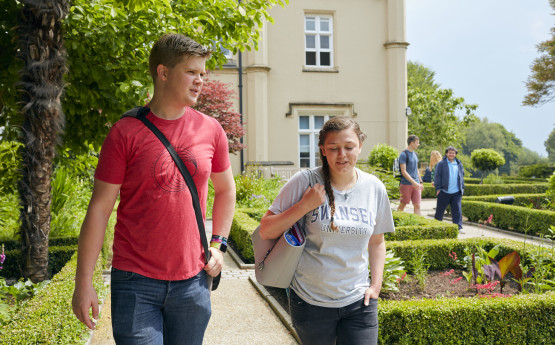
column 216, row 100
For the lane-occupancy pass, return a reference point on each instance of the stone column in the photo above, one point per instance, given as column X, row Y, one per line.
column 256, row 72
column 396, row 54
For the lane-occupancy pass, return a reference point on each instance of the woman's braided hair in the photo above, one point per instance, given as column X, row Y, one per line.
column 335, row 124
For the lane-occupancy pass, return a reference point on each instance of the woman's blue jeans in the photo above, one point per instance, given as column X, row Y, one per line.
column 159, row 312
column 355, row 324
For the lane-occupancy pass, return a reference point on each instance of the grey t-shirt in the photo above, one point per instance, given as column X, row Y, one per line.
column 333, row 269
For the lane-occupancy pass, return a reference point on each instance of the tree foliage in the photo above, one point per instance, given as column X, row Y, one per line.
column 216, row 100
column 420, row 77
column 438, row 117
column 383, row 156
column 541, row 83
column 550, row 146
column 108, row 47
column 486, row 135
column 486, row 160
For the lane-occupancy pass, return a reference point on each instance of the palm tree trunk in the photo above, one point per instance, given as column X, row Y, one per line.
column 41, row 48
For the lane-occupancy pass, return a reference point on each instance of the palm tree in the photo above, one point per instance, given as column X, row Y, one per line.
column 40, row 44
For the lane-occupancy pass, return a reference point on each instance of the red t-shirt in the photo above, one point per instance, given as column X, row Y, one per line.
column 156, row 233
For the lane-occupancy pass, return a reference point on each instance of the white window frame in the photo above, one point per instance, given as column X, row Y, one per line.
column 312, row 133
column 318, row 33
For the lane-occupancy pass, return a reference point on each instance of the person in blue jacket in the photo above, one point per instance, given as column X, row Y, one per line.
column 449, row 184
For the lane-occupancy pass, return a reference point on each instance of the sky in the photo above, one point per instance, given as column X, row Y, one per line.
column 482, row 50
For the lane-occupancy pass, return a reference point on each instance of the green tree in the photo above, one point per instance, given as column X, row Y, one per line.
column 528, row 157
column 420, row 77
column 541, row 83
column 434, row 117
column 486, row 160
column 486, row 135
column 550, row 146
column 108, row 49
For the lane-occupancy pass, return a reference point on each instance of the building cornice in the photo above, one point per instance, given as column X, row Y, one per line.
column 258, row 68
column 396, row 44
column 322, row 104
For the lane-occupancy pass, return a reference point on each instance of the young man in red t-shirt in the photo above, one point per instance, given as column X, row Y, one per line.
column 159, row 279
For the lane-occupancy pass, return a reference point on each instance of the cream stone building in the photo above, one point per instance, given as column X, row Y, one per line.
column 321, row 58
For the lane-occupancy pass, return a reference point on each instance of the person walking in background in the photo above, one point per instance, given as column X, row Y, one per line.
column 411, row 183
column 159, row 280
column 435, row 157
column 449, row 184
column 347, row 211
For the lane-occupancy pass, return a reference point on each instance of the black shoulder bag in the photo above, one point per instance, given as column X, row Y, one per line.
column 140, row 113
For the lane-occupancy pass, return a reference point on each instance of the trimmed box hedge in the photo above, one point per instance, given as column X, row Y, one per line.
column 424, row 229
column 509, row 217
column 58, row 256
column 244, row 224
column 52, row 242
column 521, row 319
column 487, row 189
column 48, row 317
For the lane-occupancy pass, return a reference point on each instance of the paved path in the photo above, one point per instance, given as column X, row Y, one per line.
column 241, row 313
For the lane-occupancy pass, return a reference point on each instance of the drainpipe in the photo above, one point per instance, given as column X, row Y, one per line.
column 240, row 70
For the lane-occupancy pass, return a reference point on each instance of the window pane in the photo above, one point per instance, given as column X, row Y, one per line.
column 304, row 122
column 310, row 24
column 324, row 24
column 305, row 162
column 318, row 122
column 310, row 41
column 325, row 59
column 304, row 141
column 325, row 42
column 311, row 58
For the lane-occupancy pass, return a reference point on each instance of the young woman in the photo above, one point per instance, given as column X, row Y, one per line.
column 346, row 213
column 435, row 157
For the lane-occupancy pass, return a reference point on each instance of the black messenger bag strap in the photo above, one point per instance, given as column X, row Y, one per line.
column 140, row 113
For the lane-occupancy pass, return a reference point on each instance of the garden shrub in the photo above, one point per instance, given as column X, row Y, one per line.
column 551, row 188
column 522, row 319
column 541, row 170
column 9, row 216
column 509, row 217
column 412, row 227
column 486, row 160
column 524, row 200
column 10, row 166
column 242, row 228
column 48, row 317
column 382, row 156
column 487, row 189
column 58, row 256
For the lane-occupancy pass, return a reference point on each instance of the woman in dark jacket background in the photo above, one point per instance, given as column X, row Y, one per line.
column 449, row 184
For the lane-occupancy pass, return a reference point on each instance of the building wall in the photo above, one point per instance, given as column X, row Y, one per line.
column 367, row 80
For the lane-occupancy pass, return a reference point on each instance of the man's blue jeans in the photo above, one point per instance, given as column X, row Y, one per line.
column 159, row 312
column 355, row 324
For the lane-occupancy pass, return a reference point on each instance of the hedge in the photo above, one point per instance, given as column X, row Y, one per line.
column 52, row 242
column 242, row 228
column 58, row 256
column 509, row 217
column 487, row 189
column 424, row 229
column 48, row 318
column 438, row 250
column 522, row 319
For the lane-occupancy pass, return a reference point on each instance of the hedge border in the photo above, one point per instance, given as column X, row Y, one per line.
column 509, row 217
column 48, row 317
column 58, row 256
column 425, row 229
column 465, row 320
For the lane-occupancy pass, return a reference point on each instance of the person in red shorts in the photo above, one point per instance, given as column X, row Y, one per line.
column 159, row 280
column 411, row 183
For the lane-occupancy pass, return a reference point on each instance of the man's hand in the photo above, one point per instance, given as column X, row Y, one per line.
column 83, row 299
column 216, row 262
column 371, row 292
